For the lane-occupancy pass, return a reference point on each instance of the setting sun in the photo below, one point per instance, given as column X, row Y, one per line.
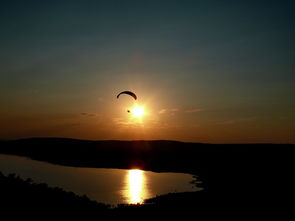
column 137, row 111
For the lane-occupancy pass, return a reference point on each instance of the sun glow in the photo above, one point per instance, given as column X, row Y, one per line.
column 137, row 111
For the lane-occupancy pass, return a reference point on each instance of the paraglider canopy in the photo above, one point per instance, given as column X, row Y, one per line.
column 128, row 93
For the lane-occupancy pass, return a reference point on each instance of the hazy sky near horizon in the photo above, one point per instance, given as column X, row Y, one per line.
column 207, row 71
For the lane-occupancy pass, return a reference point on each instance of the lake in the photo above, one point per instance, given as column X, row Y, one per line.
column 110, row 186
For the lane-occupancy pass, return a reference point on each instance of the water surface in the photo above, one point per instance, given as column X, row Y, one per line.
column 111, row 186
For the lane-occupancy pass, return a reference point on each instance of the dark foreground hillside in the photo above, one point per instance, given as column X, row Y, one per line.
column 238, row 179
column 24, row 199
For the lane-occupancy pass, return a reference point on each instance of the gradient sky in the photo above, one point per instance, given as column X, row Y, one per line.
column 206, row 71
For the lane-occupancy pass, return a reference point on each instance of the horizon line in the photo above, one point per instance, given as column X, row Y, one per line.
column 141, row 140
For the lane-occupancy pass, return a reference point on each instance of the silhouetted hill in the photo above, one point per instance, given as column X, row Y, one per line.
column 25, row 199
column 123, row 154
column 248, row 176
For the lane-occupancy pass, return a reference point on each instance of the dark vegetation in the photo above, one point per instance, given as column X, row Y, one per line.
column 24, row 198
column 238, row 179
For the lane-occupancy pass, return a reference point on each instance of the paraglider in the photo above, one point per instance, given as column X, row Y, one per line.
column 128, row 93
column 137, row 110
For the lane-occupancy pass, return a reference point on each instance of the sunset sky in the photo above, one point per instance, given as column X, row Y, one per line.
column 204, row 71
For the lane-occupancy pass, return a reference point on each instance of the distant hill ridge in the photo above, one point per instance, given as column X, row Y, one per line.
column 159, row 155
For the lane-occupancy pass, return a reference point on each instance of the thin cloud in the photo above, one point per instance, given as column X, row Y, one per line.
column 238, row 120
column 88, row 114
column 170, row 111
column 194, row 110
column 121, row 122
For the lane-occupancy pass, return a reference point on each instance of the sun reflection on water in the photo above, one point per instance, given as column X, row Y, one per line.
column 136, row 191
